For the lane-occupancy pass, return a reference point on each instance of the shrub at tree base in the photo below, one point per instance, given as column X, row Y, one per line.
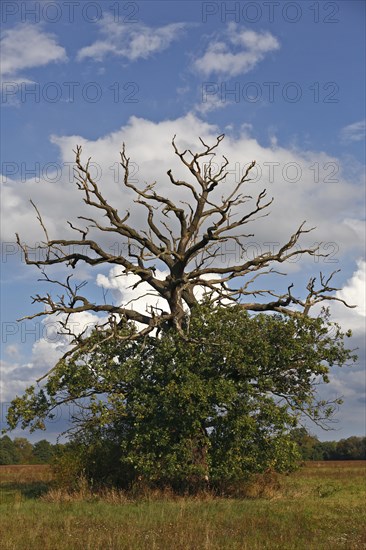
column 203, row 410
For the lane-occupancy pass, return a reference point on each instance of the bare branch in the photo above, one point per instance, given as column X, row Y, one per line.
column 192, row 254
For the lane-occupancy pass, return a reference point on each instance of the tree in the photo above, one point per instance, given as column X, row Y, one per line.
column 202, row 389
column 8, row 452
column 326, row 450
column 24, row 450
column 306, row 443
column 309, row 445
column 185, row 238
column 352, row 448
column 43, row 451
column 180, row 411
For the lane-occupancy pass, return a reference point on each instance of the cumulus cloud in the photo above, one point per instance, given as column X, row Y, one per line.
column 12, row 379
column 26, row 46
column 131, row 42
column 236, row 52
column 354, row 132
column 354, row 291
column 333, row 205
column 46, row 351
column 127, row 292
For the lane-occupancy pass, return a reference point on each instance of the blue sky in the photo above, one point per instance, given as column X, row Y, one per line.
column 283, row 80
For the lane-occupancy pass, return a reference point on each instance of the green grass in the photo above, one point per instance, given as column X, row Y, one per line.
column 322, row 506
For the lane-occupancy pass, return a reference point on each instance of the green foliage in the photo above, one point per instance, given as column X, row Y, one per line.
column 67, row 465
column 309, row 445
column 24, row 450
column 352, row 448
column 8, row 451
column 21, row 451
column 210, row 408
column 43, row 452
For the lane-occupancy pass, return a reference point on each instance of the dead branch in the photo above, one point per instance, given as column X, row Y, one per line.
column 191, row 254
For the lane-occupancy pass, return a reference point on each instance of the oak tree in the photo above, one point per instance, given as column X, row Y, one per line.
column 211, row 382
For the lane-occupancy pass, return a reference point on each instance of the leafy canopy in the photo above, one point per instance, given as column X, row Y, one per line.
column 214, row 406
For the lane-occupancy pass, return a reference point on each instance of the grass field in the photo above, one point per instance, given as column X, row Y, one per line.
column 322, row 506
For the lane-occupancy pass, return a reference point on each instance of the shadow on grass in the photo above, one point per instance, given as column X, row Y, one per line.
column 29, row 490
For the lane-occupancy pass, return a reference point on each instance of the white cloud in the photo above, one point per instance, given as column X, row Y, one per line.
column 354, row 132
column 26, row 46
column 11, row 381
column 132, row 42
column 354, row 291
column 335, row 207
column 46, row 351
column 12, row 350
column 238, row 51
column 211, row 102
column 140, row 297
column 124, row 292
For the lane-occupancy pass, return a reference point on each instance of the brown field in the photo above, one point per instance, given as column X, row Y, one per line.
column 25, row 473
column 319, row 507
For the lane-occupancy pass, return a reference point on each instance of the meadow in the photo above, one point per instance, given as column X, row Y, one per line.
column 321, row 506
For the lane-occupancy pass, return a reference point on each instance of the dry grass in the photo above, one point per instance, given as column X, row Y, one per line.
column 320, row 507
column 25, row 473
column 268, row 485
column 24, row 481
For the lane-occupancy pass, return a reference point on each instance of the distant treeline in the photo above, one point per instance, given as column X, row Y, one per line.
column 21, row 451
column 352, row 448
